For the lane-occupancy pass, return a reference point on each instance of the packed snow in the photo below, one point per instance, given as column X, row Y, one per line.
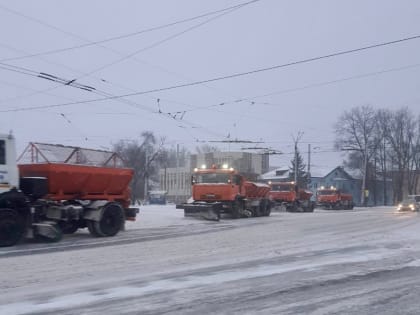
column 167, row 263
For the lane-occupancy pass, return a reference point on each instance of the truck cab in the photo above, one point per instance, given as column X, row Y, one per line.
column 9, row 176
column 216, row 184
column 283, row 192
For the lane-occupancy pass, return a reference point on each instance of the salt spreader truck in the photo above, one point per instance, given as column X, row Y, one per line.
column 288, row 196
column 45, row 199
column 333, row 198
column 219, row 190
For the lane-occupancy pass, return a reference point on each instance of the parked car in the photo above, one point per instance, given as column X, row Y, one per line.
column 409, row 204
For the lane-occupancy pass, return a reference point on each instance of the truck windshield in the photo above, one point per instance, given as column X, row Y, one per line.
column 213, row 178
column 326, row 192
column 281, row 188
column 2, row 152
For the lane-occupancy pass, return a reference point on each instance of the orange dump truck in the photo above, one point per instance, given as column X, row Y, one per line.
column 289, row 197
column 332, row 198
column 54, row 198
column 220, row 190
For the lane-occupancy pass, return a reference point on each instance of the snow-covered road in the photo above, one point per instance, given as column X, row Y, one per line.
column 365, row 261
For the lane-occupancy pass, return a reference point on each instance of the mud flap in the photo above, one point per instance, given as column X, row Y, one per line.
column 202, row 210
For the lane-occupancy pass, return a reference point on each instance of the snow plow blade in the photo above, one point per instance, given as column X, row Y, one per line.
column 202, row 210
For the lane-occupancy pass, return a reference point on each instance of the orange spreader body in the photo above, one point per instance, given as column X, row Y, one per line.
column 82, row 182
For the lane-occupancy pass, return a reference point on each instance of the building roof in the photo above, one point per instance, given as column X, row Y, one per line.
column 277, row 173
column 281, row 173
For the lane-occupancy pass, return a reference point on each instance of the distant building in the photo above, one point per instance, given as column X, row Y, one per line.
column 177, row 181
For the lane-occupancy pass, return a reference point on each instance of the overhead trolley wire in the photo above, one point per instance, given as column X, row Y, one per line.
column 225, row 77
column 93, row 43
column 222, row 11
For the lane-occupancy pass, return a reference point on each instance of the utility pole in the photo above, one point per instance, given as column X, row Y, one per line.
column 177, row 174
column 309, row 164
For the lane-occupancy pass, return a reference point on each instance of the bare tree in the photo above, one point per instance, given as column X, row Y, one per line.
column 169, row 157
column 416, row 156
column 400, row 135
column 141, row 155
column 356, row 131
column 382, row 153
column 206, row 148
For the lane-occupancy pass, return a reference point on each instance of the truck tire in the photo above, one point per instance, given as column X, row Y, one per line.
column 258, row 211
column 70, row 227
column 91, row 228
column 267, row 211
column 237, row 206
column 309, row 207
column 111, row 221
column 265, row 208
column 11, row 227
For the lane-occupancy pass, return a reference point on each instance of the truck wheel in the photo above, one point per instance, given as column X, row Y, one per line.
column 111, row 221
column 91, row 227
column 236, row 209
column 309, row 209
column 267, row 211
column 11, row 227
column 70, row 228
column 258, row 211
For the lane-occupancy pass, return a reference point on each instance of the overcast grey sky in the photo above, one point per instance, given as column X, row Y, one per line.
column 261, row 34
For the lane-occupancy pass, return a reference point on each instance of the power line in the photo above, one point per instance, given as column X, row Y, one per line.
column 308, row 60
column 164, row 40
column 305, row 87
column 92, row 43
column 359, row 76
column 72, row 83
column 226, row 10
column 174, row 116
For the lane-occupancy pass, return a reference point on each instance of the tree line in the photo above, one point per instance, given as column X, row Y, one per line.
column 147, row 154
column 382, row 144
